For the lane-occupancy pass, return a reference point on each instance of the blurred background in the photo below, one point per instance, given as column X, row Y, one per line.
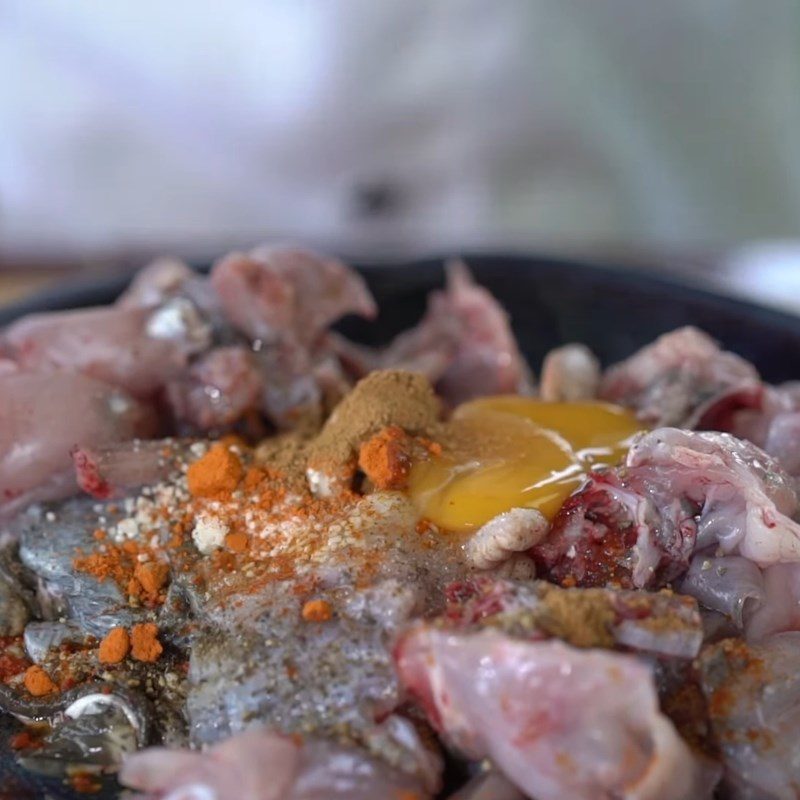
column 660, row 136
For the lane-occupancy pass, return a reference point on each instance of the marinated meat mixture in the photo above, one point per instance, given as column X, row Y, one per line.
column 244, row 558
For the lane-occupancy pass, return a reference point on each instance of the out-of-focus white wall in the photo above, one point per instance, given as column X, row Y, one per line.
column 397, row 126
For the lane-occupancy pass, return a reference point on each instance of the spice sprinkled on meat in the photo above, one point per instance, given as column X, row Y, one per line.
column 344, row 567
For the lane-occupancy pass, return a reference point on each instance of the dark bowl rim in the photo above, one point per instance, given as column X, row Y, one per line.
column 94, row 290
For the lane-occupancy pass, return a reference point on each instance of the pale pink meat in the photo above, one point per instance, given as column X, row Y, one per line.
column 287, row 294
column 746, row 499
column 668, row 380
column 44, row 416
column 772, row 421
column 261, row 765
column 782, row 441
column 557, row 721
column 156, row 282
column 778, row 610
column 218, row 388
column 464, row 343
column 121, row 346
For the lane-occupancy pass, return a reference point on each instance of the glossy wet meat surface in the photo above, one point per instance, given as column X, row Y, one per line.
column 335, row 644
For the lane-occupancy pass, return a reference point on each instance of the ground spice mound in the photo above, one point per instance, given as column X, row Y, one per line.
column 114, row 647
column 383, row 399
column 584, row 618
column 216, row 474
column 285, row 454
column 144, row 642
column 38, row 682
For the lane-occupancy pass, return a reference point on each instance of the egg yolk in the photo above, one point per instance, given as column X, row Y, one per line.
column 516, row 452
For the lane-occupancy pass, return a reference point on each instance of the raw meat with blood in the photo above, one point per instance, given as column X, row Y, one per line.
column 43, row 416
column 679, row 492
column 115, row 469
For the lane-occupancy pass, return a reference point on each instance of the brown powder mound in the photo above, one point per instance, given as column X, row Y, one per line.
column 144, row 642
column 216, row 474
column 115, row 646
column 38, row 682
column 285, row 454
column 582, row 617
column 383, row 399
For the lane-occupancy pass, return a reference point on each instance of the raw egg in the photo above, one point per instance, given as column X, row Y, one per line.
column 509, row 452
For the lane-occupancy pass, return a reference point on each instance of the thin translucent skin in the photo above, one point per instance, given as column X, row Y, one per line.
column 559, row 722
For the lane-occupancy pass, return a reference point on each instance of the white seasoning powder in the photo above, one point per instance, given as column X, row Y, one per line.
column 126, row 529
column 209, row 533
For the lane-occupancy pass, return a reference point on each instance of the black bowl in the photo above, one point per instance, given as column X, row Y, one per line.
column 614, row 311
column 550, row 301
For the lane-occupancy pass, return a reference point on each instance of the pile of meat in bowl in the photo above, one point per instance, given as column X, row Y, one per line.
column 245, row 558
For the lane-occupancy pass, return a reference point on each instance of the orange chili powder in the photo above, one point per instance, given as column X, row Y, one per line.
column 152, row 575
column 114, row 647
column 144, row 642
column 114, row 563
column 217, row 473
column 38, row 682
column 317, row 611
column 385, row 458
column 237, row 542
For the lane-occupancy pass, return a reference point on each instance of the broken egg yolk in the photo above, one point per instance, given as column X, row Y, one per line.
column 509, row 452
